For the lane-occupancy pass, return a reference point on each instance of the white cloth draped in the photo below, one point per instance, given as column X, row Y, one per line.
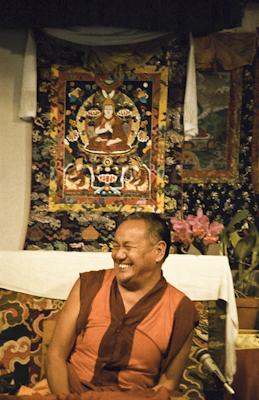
column 101, row 36
column 52, row 273
column 28, row 99
column 83, row 35
column 190, row 114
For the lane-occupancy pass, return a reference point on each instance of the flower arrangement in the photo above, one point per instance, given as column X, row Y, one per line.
column 196, row 230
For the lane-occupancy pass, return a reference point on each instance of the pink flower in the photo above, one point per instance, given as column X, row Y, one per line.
column 216, row 228
column 199, row 218
column 209, row 239
column 199, row 223
column 199, row 230
column 212, row 235
column 196, row 229
column 180, row 224
column 182, row 231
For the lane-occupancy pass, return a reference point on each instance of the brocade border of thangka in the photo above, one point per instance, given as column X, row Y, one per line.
column 108, row 152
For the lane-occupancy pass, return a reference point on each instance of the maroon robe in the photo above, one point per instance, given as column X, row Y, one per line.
column 121, row 351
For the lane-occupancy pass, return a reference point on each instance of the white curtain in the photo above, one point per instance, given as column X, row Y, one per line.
column 101, row 36
column 28, row 100
column 190, row 117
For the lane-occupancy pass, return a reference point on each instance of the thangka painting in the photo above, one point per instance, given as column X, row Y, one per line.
column 212, row 154
column 108, row 152
column 76, row 180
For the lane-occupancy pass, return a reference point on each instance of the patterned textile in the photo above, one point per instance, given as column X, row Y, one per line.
column 83, row 230
column 108, row 153
column 255, row 140
column 22, row 320
column 226, row 199
column 27, row 323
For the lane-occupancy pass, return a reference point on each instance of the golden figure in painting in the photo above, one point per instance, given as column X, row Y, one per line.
column 110, row 132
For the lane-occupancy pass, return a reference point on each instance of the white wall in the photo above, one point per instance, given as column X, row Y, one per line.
column 15, row 144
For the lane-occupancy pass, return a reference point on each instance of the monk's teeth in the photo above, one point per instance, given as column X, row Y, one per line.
column 124, row 266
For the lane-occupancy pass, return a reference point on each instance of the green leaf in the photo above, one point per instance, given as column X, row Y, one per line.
column 224, row 237
column 244, row 247
column 200, row 246
column 252, row 230
column 238, row 217
column 234, row 238
column 255, row 258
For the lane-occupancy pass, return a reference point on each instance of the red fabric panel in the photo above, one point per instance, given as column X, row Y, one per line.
column 186, row 318
column 90, row 283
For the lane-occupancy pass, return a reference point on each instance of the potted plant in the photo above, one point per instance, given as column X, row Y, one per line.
column 240, row 242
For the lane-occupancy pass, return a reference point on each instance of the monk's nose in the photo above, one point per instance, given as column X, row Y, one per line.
column 120, row 253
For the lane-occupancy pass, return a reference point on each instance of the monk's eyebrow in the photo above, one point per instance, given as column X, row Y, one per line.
column 125, row 244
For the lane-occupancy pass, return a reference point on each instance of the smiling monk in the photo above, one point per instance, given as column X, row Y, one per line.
column 124, row 329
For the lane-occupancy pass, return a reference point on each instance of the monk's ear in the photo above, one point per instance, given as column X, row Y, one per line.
column 160, row 250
